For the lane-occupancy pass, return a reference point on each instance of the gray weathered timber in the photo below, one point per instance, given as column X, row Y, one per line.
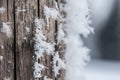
column 6, row 40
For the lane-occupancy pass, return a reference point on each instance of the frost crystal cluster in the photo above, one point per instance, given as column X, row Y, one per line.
column 40, row 40
column 58, row 64
column 50, row 13
column 41, row 47
column 6, row 29
column 77, row 27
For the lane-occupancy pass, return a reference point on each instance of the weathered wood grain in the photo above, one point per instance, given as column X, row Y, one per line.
column 25, row 14
column 6, row 40
column 17, row 49
column 51, row 35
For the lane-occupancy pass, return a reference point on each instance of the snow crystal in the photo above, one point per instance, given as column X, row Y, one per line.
column 2, row 9
column 50, row 13
column 56, row 4
column 6, row 29
column 41, row 46
column 77, row 23
column 1, row 58
column 27, row 29
column 46, row 78
column 58, row 64
column 37, row 69
column 60, row 34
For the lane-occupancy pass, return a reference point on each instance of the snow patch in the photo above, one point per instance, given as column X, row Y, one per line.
column 50, row 13
column 60, row 34
column 41, row 46
column 27, row 29
column 2, row 9
column 55, row 4
column 38, row 69
column 58, row 64
column 6, row 29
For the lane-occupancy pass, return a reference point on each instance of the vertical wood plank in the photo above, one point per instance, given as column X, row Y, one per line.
column 51, row 35
column 61, row 46
column 46, row 60
column 26, row 12
column 6, row 40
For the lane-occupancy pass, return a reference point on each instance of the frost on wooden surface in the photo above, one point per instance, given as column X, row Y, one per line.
column 2, row 9
column 6, row 29
column 50, row 13
column 60, row 33
column 55, row 4
column 41, row 46
column 38, row 69
column 27, row 29
column 77, row 27
column 58, row 64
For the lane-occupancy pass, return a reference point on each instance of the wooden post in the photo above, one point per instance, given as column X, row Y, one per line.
column 25, row 13
column 17, row 32
column 6, row 40
column 51, row 35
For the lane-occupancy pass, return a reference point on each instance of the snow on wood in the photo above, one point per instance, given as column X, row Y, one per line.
column 50, row 13
column 38, row 69
column 6, row 29
column 2, row 9
column 58, row 64
column 77, row 23
column 46, row 78
column 27, row 29
column 60, row 34
column 55, row 4
column 41, row 46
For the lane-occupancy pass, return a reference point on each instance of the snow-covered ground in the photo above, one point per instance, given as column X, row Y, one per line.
column 102, row 70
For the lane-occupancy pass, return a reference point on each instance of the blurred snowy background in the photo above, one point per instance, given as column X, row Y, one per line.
column 105, row 43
